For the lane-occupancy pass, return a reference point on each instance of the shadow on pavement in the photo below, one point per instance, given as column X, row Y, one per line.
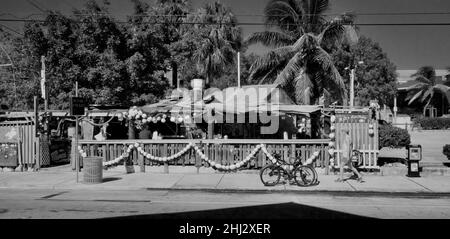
column 270, row 211
column 110, row 179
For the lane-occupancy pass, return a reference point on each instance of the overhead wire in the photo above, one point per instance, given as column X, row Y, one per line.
column 250, row 23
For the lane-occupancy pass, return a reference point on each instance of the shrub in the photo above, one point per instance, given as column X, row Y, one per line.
column 393, row 137
column 446, row 150
column 434, row 123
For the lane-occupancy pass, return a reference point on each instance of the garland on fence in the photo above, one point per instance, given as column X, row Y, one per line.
column 164, row 159
column 332, row 143
column 228, row 167
column 235, row 166
column 126, row 154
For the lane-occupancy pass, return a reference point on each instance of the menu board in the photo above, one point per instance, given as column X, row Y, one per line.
column 8, row 154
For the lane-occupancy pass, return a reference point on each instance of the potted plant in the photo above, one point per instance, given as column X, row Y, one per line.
column 446, row 150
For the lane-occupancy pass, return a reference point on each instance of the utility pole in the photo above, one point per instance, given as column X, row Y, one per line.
column 352, row 82
column 44, row 84
column 239, row 69
column 352, row 88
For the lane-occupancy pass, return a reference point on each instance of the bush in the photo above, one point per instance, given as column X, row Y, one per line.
column 446, row 150
column 434, row 123
column 393, row 137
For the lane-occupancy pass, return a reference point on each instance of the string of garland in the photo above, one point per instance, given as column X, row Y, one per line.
column 234, row 166
column 332, row 143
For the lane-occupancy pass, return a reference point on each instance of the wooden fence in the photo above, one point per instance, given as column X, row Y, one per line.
column 225, row 152
column 358, row 125
column 28, row 150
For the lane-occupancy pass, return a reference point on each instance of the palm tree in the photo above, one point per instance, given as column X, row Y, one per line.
column 300, row 61
column 217, row 39
column 425, row 90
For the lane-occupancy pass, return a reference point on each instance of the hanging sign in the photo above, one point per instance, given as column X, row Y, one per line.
column 77, row 105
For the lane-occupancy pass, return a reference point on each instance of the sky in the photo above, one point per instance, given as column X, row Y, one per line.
column 409, row 47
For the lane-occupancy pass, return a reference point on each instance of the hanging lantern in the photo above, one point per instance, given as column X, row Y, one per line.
column 158, row 118
column 163, row 120
column 154, row 120
column 333, row 118
column 164, row 116
column 172, row 119
column 120, row 117
column 332, row 128
column 331, row 144
column 370, row 126
column 180, row 119
column 144, row 121
column 331, row 152
column 332, row 136
column 144, row 116
column 371, row 132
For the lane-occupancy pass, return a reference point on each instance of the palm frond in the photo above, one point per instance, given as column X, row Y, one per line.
column 326, row 62
column 417, row 86
column 294, row 67
column 270, row 39
column 275, row 59
column 303, row 85
column 340, row 28
column 416, row 96
column 422, row 79
column 427, row 94
column 283, row 14
column 443, row 89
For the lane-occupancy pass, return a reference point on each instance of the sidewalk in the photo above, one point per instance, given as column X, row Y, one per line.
column 221, row 182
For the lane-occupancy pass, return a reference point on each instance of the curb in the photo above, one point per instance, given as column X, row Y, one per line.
column 411, row 194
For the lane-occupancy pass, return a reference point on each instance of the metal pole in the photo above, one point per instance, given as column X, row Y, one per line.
column 239, row 69
column 352, row 90
column 395, row 109
column 77, row 158
column 45, row 94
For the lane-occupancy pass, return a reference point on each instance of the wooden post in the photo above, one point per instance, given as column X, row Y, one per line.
column 164, row 154
column 141, row 162
column 210, row 130
column 77, row 159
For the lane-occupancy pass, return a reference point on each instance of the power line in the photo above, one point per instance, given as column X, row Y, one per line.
column 240, row 15
column 36, row 5
column 250, row 23
column 11, row 30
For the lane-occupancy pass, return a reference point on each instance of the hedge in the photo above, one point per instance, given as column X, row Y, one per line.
column 393, row 137
column 434, row 123
column 446, row 150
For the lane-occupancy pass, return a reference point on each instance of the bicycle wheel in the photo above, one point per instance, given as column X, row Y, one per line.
column 270, row 175
column 305, row 176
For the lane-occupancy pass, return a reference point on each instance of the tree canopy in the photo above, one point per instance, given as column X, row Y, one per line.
column 375, row 77
column 301, row 37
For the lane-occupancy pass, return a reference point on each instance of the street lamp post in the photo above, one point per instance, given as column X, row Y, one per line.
column 352, row 82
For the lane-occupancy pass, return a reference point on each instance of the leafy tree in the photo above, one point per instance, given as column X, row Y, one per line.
column 302, row 36
column 425, row 90
column 230, row 78
column 210, row 41
column 113, row 62
column 375, row 78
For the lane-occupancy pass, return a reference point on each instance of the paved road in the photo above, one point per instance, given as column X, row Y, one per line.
column 197, row 205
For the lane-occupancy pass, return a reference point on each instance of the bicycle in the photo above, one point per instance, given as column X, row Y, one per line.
column 304, row 175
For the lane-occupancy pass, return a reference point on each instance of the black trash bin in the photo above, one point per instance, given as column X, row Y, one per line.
column 414, row 157
column 93, row 170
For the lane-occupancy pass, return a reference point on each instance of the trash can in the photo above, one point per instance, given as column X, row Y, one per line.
column 93, row 170
column 414, row 156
